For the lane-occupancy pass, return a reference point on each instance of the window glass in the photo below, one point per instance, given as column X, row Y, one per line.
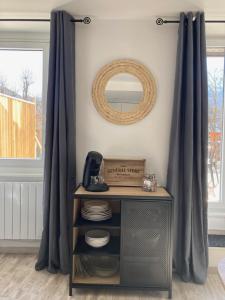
column 21, row 112
column 215, row 65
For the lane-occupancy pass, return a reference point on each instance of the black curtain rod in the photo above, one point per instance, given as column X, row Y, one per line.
column 161, row 21
column 85, row 20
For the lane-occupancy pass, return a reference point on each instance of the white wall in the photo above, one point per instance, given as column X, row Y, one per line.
column 155, row 46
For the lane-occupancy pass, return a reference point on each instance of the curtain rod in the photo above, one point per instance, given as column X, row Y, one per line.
column 85, row 20
column 161, row 21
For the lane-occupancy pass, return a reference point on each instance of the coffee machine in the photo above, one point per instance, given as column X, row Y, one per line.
column 91, row 172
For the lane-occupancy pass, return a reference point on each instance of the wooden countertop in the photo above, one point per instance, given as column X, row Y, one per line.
column 115, row 191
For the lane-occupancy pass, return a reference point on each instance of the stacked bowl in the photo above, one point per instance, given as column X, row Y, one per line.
column 96, row 210
column 97, row 238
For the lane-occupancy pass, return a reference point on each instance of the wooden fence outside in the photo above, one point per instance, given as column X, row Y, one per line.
column 17, row 128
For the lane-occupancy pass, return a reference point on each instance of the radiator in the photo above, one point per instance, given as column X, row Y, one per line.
column 21, row 210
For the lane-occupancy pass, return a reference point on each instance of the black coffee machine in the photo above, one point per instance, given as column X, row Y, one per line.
column 91, row 170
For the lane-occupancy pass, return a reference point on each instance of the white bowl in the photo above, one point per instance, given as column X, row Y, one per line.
column 97, row 238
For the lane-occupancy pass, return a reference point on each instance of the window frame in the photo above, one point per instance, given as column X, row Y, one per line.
column 14, row 169
column 216, row 211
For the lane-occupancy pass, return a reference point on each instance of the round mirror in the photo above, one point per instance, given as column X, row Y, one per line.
column 124, row 92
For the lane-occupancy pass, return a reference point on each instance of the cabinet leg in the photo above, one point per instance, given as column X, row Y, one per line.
column 170, row 294
column 70, row 290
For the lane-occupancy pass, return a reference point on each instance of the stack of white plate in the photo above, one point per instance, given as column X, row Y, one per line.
column 97, row 238
column 96, row 210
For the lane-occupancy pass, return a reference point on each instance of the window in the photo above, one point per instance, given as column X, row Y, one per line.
column 21, row 112
column 215, row 65
column 23, row 89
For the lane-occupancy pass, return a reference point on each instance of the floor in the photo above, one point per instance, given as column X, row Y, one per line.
column 19, row 280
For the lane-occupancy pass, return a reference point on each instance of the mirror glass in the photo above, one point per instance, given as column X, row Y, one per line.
column 124, row 92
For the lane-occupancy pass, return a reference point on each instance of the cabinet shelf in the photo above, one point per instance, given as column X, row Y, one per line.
column 112, row 248
column 114, row 280
column 113, row 222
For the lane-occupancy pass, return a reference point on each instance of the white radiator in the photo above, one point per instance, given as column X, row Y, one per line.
column 21, row 210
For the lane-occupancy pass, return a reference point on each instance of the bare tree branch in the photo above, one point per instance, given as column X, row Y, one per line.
column 27, row 81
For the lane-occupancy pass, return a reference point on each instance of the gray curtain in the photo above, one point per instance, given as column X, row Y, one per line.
column 59, row 168
column 187, row 169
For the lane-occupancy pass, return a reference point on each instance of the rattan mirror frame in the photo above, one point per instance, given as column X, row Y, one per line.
column 149, row 91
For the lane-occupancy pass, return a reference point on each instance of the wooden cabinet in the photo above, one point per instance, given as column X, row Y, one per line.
column 141, row 238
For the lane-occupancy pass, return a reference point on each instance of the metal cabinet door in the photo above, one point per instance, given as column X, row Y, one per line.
column 145, row 243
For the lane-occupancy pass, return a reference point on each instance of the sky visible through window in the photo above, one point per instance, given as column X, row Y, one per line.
column 15, row 62
column 214, row 63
